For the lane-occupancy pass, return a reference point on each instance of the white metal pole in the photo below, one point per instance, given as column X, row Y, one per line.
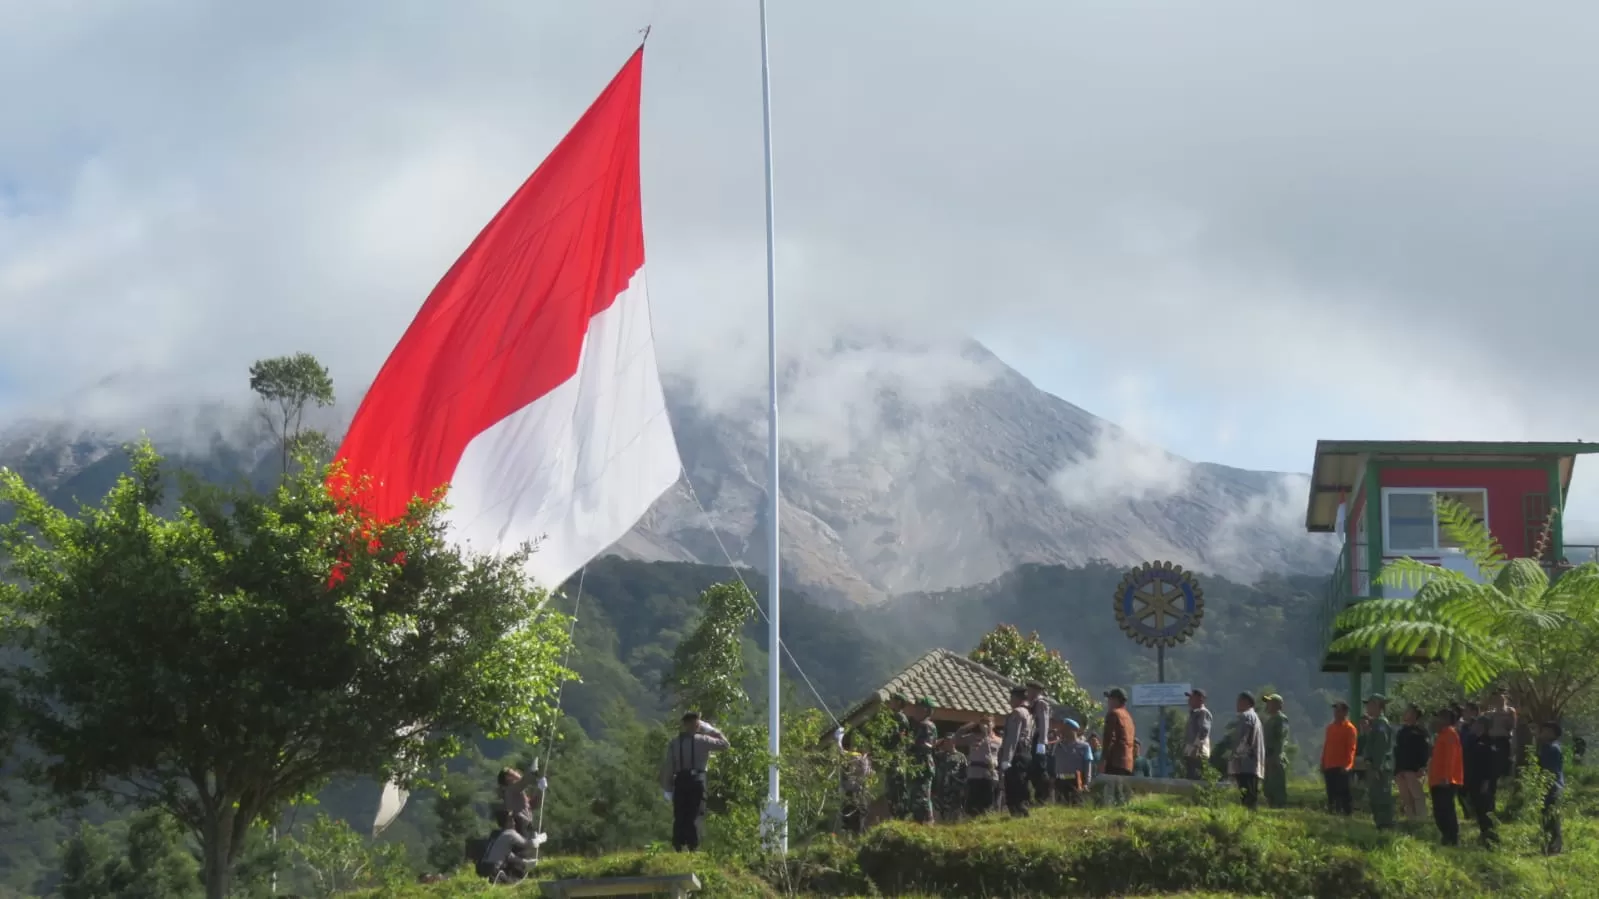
column 776, row 823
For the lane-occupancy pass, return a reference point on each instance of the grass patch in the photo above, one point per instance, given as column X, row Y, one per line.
column 1154, row 846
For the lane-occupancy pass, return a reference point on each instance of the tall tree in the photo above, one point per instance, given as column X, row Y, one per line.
column 1538, row 635
column 286, row 385
column 708, row 666
column 224, row 661
column 1023, row 659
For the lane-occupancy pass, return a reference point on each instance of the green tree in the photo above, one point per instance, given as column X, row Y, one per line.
column 1023, row 659
column 338, row 859
column 285, row 386
column 708, row 666
column 158, row 864
column 455, row 808
column 229, row 659
column 1538, row 635
column 88, row 865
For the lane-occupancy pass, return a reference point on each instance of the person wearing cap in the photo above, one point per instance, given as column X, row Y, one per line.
column 1074, row 764
column 1119, row 734
column 683, row 778
column 1338, row 759
column 1016, row 753
column 1276, row 726
column 1196, row 736
column 1247, row 762
column 923, row 768
column 895, row 744
column 1553, row 760
column 1038, row 770
column 1378, row 754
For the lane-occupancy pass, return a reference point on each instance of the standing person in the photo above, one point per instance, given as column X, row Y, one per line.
column 1196, row 737
column 1468, row 735
column 855, row 770
column 1378, row 754
column 949, row 782
column 1446, row 773
column 895, row 754
column 1038, row 769
column 1140, row 760
column 982, row 766
column 1552, row 759
column 1502, row 721
column 1338, row 759
column 1481, row 776
column 1411, row 748
column 1096, row 754
column 1074, row 765
column 683, row 778
column 923, row 767
column 1016, row 753
column 1276, row 753
column 1247, row 761
column 1119, row 733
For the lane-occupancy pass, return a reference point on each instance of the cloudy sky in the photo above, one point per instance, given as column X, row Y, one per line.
column 1235, row 228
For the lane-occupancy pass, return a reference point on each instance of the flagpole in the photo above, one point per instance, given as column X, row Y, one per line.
column 775, row 823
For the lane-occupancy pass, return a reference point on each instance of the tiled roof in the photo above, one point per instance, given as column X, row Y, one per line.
column 950, row 679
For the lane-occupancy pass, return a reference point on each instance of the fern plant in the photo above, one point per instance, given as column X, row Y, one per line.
column 1539, row 636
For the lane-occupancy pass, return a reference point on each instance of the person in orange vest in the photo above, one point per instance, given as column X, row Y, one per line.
column 1446, row 774
column 1338, row 760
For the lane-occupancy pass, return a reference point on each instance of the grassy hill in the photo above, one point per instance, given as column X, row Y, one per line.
column 1154, row 846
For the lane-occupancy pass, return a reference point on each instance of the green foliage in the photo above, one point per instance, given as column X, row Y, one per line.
column 338, row 859
column 458, row 821
column 1022, row 659
column 285, row 386
column 221, row 662
column 1538, row 635
column 151, row 861
column 708, row 666
column 88, row 865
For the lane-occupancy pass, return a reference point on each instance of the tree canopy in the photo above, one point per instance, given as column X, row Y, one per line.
column 229, row 658
column 1024, row 659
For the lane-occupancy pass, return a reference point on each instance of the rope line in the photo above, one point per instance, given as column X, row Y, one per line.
column 555, row 721
column 739, row 574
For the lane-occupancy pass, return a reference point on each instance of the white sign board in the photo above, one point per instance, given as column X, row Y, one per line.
column 1160, row 694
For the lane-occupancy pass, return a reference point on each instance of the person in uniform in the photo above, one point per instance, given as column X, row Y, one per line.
column 1016, row 753
column 1378, row 755
column 894, row 752
column 683, row 778
column 1276, row 752
column 982, row 767
column 1412, row 748
column 1480, row 771
column 855, row 769
column 1247, row 761
column 1074, row 765
column 1196, row 737
column 1038, row 770
column 949, row 781
column 919, row 776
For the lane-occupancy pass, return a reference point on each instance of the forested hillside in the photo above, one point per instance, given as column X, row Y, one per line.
column 629, row 620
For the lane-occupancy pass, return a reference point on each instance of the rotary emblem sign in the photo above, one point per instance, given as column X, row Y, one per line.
column 1158, row 604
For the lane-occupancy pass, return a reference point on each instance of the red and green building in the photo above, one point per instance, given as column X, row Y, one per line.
column 1378, row 497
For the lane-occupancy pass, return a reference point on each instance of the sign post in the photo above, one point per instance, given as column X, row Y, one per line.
column 1158, row 604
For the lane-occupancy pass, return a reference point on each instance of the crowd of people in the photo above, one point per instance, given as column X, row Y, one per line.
column 1457, row 756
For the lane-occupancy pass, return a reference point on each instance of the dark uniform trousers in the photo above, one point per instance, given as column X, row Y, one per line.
column 980, row 795
column 1016, row 787
column 688, row 808
column 1443, row 814
column 1043, row 783
column 1340, row 798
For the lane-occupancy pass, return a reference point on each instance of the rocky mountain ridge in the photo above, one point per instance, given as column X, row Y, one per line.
column 893, row 480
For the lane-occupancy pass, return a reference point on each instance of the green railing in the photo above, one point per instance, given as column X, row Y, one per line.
column 1337, row 596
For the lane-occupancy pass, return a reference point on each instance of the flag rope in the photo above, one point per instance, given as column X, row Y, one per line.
column 689, row 483
column 549, row 746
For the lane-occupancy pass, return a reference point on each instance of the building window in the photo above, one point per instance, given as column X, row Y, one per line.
column 1410, row 518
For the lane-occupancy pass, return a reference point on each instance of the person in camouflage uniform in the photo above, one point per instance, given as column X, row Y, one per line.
column 949, row 782
column 894, row 754
column 1276, row 753
column 1378, row 755
column 920, row 772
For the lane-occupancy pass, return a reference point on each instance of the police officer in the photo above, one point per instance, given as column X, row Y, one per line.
column 683, row 777
column 1377, row 752
column 1038, row 772
column 1016, row 752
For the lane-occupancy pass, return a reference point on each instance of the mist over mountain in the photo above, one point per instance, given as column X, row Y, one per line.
column 906, row 467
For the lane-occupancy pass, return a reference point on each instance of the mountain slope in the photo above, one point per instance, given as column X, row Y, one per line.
column 905, row 468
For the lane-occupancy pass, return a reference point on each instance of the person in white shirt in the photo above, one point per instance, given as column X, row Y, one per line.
column 683, row 778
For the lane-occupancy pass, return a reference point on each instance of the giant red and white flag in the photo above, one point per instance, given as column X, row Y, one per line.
column 528, row 380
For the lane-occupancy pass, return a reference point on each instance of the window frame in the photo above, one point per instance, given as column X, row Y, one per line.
column 1436, row 549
